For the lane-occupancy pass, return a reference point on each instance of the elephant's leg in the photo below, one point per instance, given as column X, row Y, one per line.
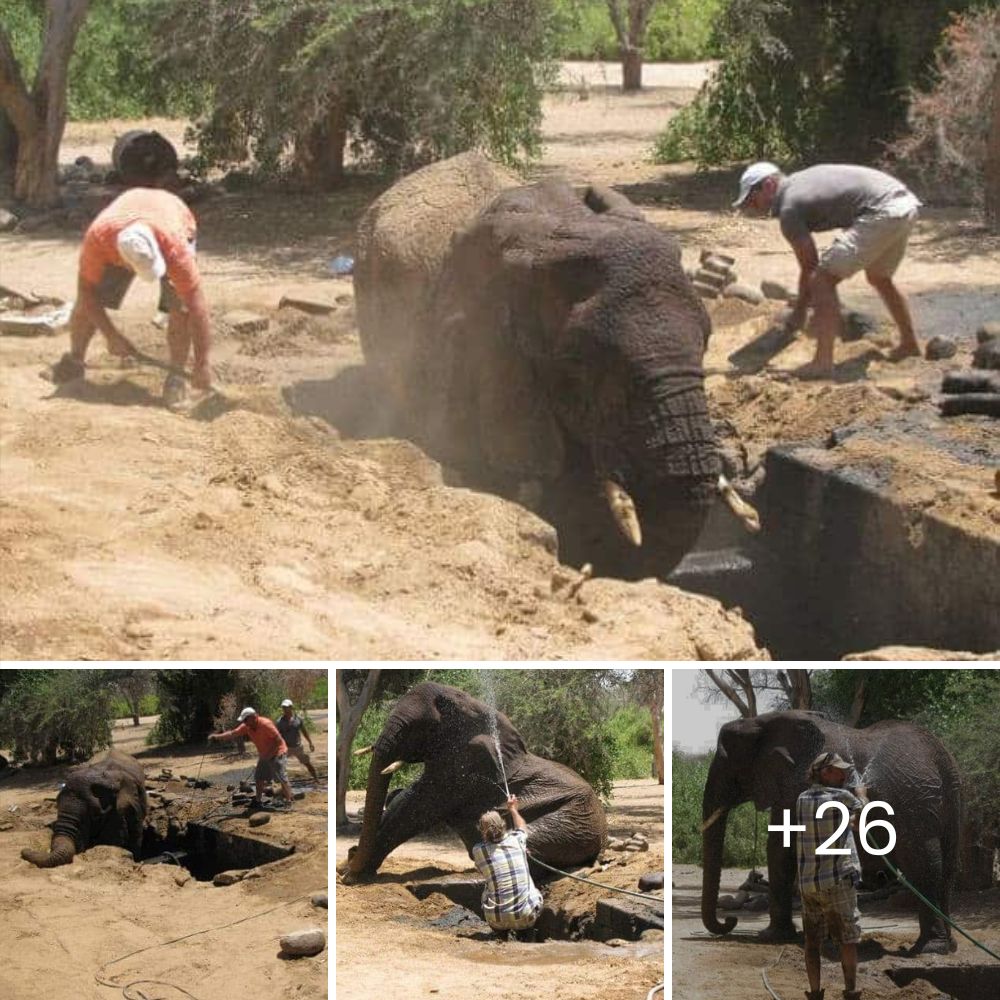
column 781, row 871
column 414, row 811
column 928, row 876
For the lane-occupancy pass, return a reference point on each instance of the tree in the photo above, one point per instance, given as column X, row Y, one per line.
column 295, row 82
column 134, row 685
column 189, row 700
column 631, row 19
column 48, row 713
column 349, row 718
column 646, row 687
column 991, row 167
column 742, row 687
column 38, row 115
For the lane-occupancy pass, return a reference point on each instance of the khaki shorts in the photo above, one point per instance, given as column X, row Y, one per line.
column 299, row 754
column 875, row 243
column 275, row 769
column 832, row 909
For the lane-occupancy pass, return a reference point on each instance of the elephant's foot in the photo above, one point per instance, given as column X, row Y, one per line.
column 779, row 933
column 934, row 946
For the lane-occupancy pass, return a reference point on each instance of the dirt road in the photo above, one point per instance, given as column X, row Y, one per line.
column 729, row 968
column 63, row 925
column 386, row 936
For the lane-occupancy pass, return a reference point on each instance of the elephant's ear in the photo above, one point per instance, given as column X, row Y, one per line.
column 105, row 792
column 788, row 743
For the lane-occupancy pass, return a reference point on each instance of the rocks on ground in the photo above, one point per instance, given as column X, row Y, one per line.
column 300, row 944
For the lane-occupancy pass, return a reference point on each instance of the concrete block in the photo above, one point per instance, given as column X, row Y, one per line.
column 312, row 306
column 712, row 278
column 747, row 293
column 705, row 291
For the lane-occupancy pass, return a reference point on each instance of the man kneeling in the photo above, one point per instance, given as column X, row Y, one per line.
column 511, row 901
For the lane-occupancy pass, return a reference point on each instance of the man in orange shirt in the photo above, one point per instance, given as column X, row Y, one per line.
column 151, row 233
column 272, row 762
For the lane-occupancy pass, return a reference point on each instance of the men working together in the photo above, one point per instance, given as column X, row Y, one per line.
column 876, row 214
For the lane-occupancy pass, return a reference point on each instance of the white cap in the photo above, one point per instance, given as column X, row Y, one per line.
column 752, row 176
column 247, row 712
column 287, row 703
column 139, row 249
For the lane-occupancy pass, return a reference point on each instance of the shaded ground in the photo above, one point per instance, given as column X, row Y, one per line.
column 62, row 925
column 253, row 529
column 729, row 968
column 447, row 961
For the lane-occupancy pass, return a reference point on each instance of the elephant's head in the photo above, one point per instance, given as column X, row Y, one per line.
column 85, row 802
column 761, row 760
column 430, row 723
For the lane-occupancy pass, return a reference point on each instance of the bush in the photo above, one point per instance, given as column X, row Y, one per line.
column 690, row 775
column 808, row 82
column 632, row 731
column 46, row 714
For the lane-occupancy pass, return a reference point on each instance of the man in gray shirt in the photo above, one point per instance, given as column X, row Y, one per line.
column 292, row 728
column 876, row 214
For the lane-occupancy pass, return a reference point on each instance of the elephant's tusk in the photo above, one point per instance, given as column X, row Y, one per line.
column 393, row 767
column 711, row 819
column 363, row 751
column 739, row 506
column 623, row 510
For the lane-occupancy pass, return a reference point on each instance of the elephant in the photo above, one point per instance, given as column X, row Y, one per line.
column 451, row 733
column 100, row 803
column 549, row 348
column 766, row 759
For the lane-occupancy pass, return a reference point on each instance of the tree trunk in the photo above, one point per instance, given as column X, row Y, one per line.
column 39, row 117
column 319, row 154
column 631, row 69
column 655, row 707
column 350, row 719
column 991, row 168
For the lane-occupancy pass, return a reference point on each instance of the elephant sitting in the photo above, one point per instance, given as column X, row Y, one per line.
column 100, row 803
column 551, row 349
column 766, row 759
column 450, row 732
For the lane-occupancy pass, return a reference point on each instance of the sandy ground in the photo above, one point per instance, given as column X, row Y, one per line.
column 729, row 968
column 424, row 959
column 278, row 521
column 63, row 925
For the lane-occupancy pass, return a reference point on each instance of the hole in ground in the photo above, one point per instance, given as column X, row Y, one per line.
column 205, row 850
column 959, row 982
column 613, row 917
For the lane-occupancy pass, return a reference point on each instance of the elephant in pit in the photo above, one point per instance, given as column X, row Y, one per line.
column 765, row 760
column 450, row 732
column 548, row 345
column 100, row 803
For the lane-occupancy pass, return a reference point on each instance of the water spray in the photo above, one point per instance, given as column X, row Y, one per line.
column 490, row 691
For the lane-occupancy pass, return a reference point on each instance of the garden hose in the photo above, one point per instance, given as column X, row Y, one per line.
column 610, row 888
column 658, row 988
column 916, row 892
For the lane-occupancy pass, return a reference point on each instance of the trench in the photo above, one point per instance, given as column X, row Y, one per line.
column 614, row 917
column 959, row 982
column 205, row 849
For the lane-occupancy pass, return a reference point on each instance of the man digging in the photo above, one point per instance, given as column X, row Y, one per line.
column 272, row 762
column 828, row 882
column 150, row 233
column 876, row 214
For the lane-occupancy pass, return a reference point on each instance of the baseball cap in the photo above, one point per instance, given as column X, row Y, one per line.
column 752, row 176
column 829, row 759
column 287, row 703
column 139, row 249
column 246, row 713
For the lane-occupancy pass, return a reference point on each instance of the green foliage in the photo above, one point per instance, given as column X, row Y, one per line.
column 149, row 704
column 808, row 80
column 688, row 789
column 48, row 713
column 319, row 697
column 189, row 700
column 112, row 72
column 679, row 30
column 415, row 81
column 632, row 754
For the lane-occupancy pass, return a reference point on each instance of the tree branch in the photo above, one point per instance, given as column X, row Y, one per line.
column 14, row 97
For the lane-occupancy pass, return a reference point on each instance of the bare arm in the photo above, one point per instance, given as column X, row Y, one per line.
column 201, row 337
column 808, row 258
column 516, row 817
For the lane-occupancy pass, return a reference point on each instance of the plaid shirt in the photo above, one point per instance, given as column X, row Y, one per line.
column 509, row 895
column 819, row 870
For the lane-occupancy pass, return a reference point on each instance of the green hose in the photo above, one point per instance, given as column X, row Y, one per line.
column 916, row 892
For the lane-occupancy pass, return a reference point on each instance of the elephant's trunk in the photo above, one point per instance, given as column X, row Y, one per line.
column 713, row 836
column 360, row 861
column 61, row 852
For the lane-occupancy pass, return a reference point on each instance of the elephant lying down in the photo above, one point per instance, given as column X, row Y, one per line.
column 449, row 732
column 100, row 803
